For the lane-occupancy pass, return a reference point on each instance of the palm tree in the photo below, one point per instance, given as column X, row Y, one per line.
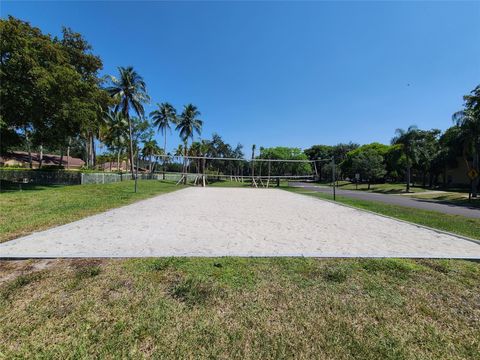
column 469, row 136
column 179, row 150
column 116, row 136
column 162, row 118
column 129, row 91
column 408, row 141
column 187, row 124
column 150, row 148
column 468, row 123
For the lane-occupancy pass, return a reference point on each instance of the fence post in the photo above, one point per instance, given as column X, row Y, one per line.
column 81, row 178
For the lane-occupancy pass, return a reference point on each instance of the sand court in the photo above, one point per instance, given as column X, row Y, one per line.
column 238, row 222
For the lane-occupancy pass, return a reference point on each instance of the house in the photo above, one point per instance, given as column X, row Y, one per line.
column 124, row 167
column 21, row 159
column 114, row 166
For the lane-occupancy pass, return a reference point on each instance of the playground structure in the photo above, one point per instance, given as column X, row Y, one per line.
column 258, row 171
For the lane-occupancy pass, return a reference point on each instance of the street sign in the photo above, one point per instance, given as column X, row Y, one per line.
column 357, row 176
column 472, row 174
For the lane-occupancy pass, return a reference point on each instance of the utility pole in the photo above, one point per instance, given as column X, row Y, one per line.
column 333, row 177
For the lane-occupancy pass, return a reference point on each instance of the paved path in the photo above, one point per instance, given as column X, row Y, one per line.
column 239, row 222
column 424, row 204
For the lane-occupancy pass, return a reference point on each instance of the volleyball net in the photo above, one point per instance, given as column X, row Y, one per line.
column 260, row 172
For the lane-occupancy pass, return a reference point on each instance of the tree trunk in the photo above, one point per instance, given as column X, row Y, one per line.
column 29, row 150
column 408, row 178
column 94, row 158
column 118, row 161
column 61, row 156
column 40, row 160
column 68, row 152
column 131, row 143
column 475, row 181
column 185, row 162
column 87, row 149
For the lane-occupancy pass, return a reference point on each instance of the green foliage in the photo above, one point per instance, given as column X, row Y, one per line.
column 468, row 123
column 129, row 92
column 366, row 160
column 50, row 90
column 162, row 118
column 284, row 168
column 188, row 123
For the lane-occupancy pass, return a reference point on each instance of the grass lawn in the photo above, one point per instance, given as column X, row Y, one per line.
column 40, row 207
column 241, row 308
column 461, row 225
column 454, row 198
column 390, row 188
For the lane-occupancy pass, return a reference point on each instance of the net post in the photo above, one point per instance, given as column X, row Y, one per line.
column 333, row 177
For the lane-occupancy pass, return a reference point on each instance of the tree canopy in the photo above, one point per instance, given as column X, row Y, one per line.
column 50, row 87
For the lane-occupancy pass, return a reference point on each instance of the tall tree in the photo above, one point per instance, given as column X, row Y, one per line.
column 129, row 92
column 187, row 124
column 468, row 121
column 116, row 133
column 407, row 139
column 50, row 87
column 369, row 164
column 150, row 148
column 162, row 117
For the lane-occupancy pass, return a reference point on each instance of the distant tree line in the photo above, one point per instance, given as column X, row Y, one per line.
column 414, row 155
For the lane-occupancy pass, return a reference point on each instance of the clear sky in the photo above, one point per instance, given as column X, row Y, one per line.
column 287, row 73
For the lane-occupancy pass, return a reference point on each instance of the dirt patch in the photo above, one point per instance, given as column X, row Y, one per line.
column 11, row 269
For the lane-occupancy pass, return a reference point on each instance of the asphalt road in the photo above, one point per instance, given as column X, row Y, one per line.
column 399, row 200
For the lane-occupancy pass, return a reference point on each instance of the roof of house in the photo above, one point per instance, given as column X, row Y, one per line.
column 113, row 164
column 48, row 159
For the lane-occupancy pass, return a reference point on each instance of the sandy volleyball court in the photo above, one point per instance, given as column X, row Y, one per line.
column 238, row 222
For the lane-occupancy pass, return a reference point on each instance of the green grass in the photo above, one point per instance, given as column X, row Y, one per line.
column 453, row 198
column 41, row 207
column 461, row 225
column 387, row 188
column 237, row 308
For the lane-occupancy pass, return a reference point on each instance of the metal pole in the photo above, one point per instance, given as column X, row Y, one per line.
column 333, row 177
column 316, row 170
column 136, row 173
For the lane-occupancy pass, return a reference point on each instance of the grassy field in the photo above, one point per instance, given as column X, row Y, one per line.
column 234, row 308
column 454, row 198
column 461, row 225
column 40, row 207
column 390, row 188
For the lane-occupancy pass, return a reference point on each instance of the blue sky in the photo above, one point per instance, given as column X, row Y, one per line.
column 287, row 73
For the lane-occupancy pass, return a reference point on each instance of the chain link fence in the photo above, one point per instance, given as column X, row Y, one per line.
column 73, row 178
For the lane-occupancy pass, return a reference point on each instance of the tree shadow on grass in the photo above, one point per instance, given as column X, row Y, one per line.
column 474, row 204
column 10, row 186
